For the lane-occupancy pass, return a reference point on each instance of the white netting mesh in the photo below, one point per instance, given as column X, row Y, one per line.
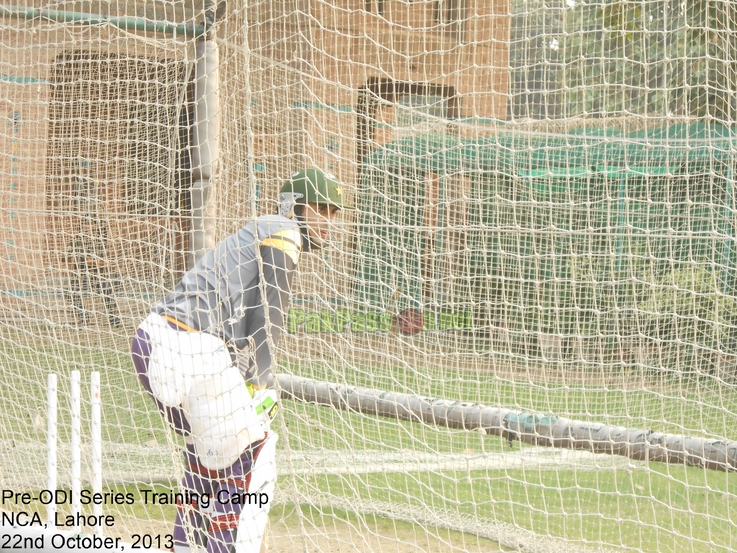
column 550, row 183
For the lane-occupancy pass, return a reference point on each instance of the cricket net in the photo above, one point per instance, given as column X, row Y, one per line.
column 544, row 229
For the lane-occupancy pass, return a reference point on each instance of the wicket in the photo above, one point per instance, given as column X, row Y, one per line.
column 76, row 443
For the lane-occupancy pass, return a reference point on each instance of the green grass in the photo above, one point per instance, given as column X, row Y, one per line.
column 657, row 507
column 663, row 509
column 288, row 521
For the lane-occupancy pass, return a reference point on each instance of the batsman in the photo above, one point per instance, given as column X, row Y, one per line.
column 204, row 354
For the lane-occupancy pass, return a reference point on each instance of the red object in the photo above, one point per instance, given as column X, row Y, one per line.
column 410, row 321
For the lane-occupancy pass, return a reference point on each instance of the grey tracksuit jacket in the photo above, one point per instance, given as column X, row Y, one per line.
column 222, row 293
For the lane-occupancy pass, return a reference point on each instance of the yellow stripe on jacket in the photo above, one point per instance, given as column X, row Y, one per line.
column 179, row 324
column 285, row 241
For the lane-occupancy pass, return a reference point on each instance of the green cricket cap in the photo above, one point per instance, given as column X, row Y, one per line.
column 316, row 186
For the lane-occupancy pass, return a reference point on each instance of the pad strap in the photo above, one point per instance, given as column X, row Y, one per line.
column 245, row 482
column 226, row 521
column 230, row 521
column 221, row 474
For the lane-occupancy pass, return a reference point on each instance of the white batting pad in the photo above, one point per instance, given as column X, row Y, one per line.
column 222, row 417
column 255, row 515
column 177, row 357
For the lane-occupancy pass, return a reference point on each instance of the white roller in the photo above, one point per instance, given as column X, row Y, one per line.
column 531, row 428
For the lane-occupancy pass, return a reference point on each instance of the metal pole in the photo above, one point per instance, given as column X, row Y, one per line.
column 125, row 23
